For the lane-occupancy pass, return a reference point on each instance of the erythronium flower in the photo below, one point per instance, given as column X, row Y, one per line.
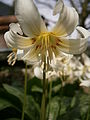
column 37, row 42
column 83, row 70
column 38, row 72
column 57, row 65
column 60, row 62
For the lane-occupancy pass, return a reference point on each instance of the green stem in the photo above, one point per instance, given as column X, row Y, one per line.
column 88, row 114
column 50, row 95
column 44, row 96
column 61, row 93
column 50, row 92
column 25, row 92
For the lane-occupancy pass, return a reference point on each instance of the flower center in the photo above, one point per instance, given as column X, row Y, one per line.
column 46, row 45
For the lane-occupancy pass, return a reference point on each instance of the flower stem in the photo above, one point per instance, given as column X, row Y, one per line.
column 50, row 95
column 88, row 114
column 50, row 92
column 44, row 96
column 25, row 92
column 61, row 95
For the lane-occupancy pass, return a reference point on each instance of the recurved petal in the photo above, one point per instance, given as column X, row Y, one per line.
column 14, row 40
column 58, row 7
column 67, row 21
column 29, row 18
column 15, row 27
column 72, row 46
column 85, row 33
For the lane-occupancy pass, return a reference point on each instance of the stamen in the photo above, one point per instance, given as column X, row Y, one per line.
column 47, row 44
column 12, row 57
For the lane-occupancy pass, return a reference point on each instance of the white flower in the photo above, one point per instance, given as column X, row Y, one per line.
column 78, row 72
column 85, row 83
column 86, row 60
column 38, row 72
column 60, row 62
column 37, row 42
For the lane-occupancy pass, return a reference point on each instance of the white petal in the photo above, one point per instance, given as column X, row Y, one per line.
column 73, row 45
column 78, row 73
column 14, row 40
column 15, row 27
column 29, row 18
column 87, row 74
column 79, row 65
column 31, row 56
column 85, row 83
column 61, row 61
column 72, row 63
column 58, row 7
column 85, row 33
column 86, row 59
column 67, row 21
column 38, row 72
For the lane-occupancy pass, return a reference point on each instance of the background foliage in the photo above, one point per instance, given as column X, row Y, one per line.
column 67, row 103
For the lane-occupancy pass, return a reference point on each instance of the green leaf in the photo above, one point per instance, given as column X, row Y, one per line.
column 54, row 108
column 36, row 89
column 84, row 104
column 14, row 91
column 4, row 104
column 34, row 83
column 32, row 108
column 56, row 88
column 73, row 102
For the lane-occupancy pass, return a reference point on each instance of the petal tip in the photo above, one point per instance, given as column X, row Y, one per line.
column 58, row 7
